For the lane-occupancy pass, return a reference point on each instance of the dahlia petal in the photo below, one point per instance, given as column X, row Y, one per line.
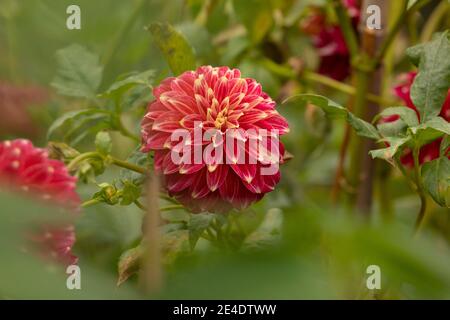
column 168, row 122
column 156, row 141
column 190, row 168
column 216, row 177
column 246, row 172
column 177, row 182
column 200, row 189
column 176, row 103
column 229, row 190
column 163, row 87
column 252, row 116
column 168, row 166
column 275, row 123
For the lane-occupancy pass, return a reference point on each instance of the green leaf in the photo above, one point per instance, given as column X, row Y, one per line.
column 74, row 117
column 445, row 145
column 363, row 128
column 197, row 224
column 79, row 73
column 436, row 180
column 103, row 142
column 334, row 110
column 175, row 244
column 174, row 46
column 129, row 263
column 430, row 130
column 407, row 115
column 431, row 84
column 388, row 154
column 175, row 216
column 268, row 233
column 130, row 193
column 122, row 85
column 139, row 158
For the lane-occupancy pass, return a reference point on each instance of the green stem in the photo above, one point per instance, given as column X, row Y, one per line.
column 127, row 133
column 127, row 165
column 87, row 155
column 346, row 27
column 205, row 11
column 420, row 190
column 169, row 208
column 288, row 73
column 140, row 205
column 312, row 76
column 400, row 22
column 360, row 105
column 433, row 21
column 90, row 202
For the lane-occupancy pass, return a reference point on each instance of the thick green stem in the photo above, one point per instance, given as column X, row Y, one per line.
column 356, row 154
column 346, row 27
column 84, row 156
column 420, row 190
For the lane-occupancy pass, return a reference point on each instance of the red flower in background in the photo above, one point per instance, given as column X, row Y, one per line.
column 14, row 103
column 430, row 151
column 27, row 169
column 219, row 99
column 329, row 41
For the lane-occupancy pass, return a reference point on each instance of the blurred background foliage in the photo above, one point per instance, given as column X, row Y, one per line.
column 297, row 243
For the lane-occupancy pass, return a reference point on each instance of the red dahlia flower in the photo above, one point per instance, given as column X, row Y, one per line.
column 218, row 101
column 430, row 151
column 329, row 41
column 28, row 169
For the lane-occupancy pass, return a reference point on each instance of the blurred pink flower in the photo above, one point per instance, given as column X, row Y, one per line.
column 14, row 101
column 28, row 170
column 220, row 100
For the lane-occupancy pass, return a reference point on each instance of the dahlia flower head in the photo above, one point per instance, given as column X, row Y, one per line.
column 28, row 170
column 330, row 42
column 218, row 103
column 429, row 151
